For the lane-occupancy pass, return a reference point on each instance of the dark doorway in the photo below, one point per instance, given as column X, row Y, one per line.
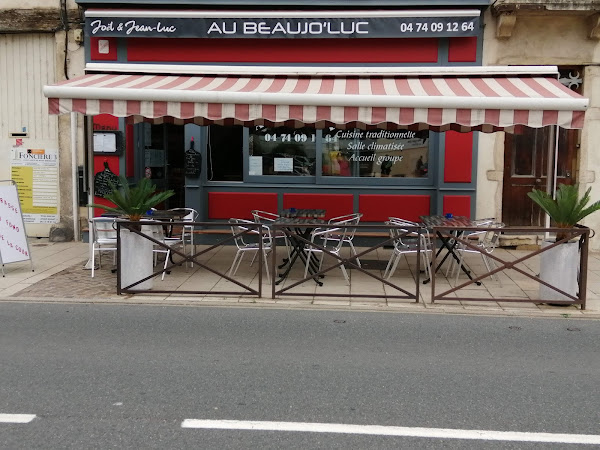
column 525, row 162
column 525, row 166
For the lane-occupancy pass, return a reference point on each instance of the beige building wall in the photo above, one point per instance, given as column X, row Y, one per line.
column 556, row 37
column 32, row 54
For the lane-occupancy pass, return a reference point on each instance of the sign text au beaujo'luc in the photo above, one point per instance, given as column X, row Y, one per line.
column 374, row 27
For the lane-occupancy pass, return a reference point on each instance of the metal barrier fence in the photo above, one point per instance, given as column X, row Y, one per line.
column 501, row 265
column 179, row 258
column 303, row 244
column 379, row 238
column 374, row 254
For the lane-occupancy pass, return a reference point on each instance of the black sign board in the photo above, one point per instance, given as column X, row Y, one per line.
column 193, row 163
column 103, row 181
column 286, row 27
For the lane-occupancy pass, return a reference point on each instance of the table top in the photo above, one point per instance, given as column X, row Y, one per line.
column 443, row 221
column 158, row 214
column 166, row 214
column 298, row 221
column 302, row 213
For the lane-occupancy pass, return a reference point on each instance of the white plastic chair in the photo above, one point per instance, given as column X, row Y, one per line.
column 104, row 238
column 407, row 240
column 347, row 220
column 332, row 240
column 155, row 230
column 241, row 229
column 487, row 242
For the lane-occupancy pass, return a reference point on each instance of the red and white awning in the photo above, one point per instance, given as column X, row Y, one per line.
column 463, row 103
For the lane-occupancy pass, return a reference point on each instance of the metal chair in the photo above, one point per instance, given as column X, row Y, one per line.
column 487, row 241
column 407, row 240
column 241, row 229
column 473, row 236
column 334, row 235
column 187, row 231
column 267, row 218
column 348, row 220
column 156, row 231
column 104, row 238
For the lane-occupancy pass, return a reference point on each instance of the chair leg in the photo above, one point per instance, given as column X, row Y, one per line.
column 389, row 264
column 308, row 256
column 490, row 265
column 165, row 265
column 93, row 260
column 354, row 253
column 345, row 273
column 192, row 252
column 253, row 258
column 394, row 265
column 460, row 265
column 267, row 266
column 233, row 268
column 426, row 263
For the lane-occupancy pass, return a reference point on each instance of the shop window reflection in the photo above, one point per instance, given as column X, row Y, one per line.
column 282, row 151
column 375, row 153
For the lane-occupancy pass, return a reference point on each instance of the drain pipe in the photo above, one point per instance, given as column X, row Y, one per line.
column 75, row 181
column 551, row 170
column 89, row 134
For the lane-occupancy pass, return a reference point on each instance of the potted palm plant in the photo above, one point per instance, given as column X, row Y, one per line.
column 131, row 203
column 559, row 265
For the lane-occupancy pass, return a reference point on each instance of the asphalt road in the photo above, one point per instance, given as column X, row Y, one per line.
column 100, row 376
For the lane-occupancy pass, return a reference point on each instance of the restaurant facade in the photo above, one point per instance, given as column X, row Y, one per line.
column 338, row 107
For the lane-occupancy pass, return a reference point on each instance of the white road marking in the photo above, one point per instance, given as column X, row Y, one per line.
column 380, row 430
column 16, row 418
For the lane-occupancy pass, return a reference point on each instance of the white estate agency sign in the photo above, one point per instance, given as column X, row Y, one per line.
column 13, row 240
column 35, row 172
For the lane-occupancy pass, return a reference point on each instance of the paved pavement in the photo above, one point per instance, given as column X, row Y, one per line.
column 60, row 276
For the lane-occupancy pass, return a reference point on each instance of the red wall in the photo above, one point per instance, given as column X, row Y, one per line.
column 457, row 205
column 379, row 208
column 458, row 160
column 105, row 122
column 421, row 50
column 239, row 205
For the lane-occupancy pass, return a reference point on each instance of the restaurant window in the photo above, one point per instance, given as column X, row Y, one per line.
column 282, row 151
column 375, row 153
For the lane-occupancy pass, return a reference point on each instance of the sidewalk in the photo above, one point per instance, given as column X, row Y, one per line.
column 59, row 276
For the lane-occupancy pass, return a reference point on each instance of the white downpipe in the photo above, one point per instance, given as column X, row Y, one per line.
column 551, row 170
column 75, row 187
column 89, row 131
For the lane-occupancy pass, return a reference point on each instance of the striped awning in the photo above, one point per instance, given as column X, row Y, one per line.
column 463, row 103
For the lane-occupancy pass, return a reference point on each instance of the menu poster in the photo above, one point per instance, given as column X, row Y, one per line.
column 13, row 239
column 35, row 171
column 193, row 163
column 107, row 142
column 283, row 164
column 255, row 166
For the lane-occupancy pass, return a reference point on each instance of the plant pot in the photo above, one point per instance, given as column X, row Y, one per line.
column 136, row 260
column 559, row 267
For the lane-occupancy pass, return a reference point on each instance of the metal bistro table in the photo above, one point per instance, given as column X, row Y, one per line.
column 449, row 241
column 300, row 223
column 167, row 216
